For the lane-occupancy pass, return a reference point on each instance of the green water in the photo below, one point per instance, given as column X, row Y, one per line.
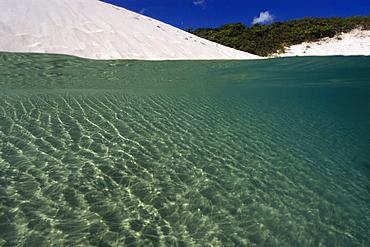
column 184, row 153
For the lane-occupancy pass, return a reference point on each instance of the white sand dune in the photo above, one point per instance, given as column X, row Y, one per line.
column 97, row 30
column 356, row 42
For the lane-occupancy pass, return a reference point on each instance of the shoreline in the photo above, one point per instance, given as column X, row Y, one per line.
column 353, row 43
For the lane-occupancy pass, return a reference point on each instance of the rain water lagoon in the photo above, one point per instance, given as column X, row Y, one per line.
column 184, row 153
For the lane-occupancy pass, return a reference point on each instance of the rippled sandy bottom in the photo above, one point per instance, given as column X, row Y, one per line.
column 112, row 169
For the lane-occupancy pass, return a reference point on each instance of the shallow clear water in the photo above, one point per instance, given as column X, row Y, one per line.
column 184, row 153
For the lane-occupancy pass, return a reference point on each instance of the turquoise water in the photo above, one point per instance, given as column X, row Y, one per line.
column 184, row 153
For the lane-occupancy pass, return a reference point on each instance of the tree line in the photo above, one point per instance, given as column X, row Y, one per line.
column 265, row 40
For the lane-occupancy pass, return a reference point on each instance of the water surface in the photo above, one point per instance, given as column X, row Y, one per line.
column 184, row 153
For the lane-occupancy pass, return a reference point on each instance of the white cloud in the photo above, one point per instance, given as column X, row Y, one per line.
column 200, row 3
column 265, row 17
column 142, row 11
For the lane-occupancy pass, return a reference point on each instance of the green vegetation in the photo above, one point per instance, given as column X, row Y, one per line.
column 265, row 40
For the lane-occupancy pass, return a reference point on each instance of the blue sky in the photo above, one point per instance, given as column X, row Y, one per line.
column 213, row 13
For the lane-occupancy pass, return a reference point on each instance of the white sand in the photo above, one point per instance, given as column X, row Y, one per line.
column 96, row 30
column 356, row 42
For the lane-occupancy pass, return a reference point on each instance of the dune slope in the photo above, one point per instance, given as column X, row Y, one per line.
column 97, row 30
